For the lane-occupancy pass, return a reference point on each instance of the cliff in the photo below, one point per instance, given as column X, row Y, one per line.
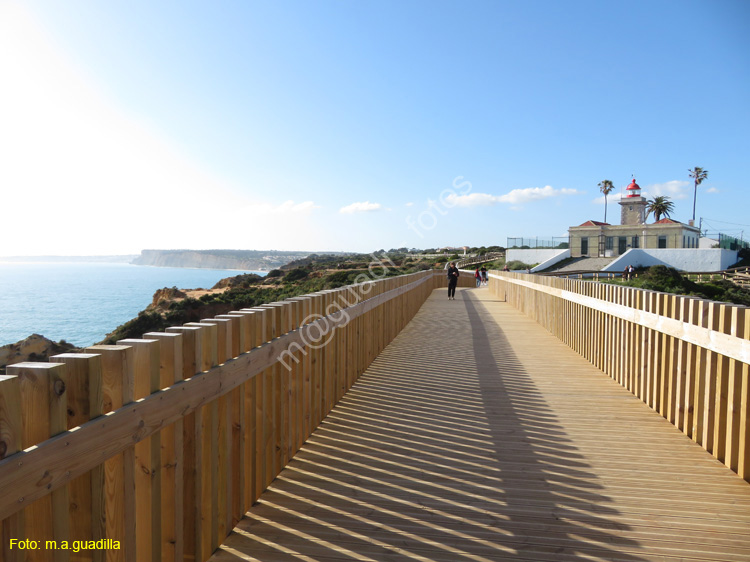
column 253, row 260
column 33, row 348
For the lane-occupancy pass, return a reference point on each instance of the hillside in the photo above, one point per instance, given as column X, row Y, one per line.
column 171, row 307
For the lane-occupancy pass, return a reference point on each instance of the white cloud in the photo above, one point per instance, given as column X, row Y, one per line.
column 514, row 197
column 712, row 190
column 409, row 204
column 472, row 200
column 675, row 189
column 361, row 207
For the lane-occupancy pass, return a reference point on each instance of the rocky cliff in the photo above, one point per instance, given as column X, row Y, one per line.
column 253, row 260
column 33, row 348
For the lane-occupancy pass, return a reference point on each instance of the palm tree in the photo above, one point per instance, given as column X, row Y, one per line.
column 606, row 188
column 698, row 175
column 659, row 205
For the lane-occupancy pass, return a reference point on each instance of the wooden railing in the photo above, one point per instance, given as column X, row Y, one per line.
column 739, row 276
column 687, row 358
column 153, row 449
column 473, row 260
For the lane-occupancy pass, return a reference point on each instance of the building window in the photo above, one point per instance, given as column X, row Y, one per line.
column 610, row 243
column 634, row 243
column 662, row 242
column 584, row 246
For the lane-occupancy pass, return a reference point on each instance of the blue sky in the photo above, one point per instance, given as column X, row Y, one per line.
column 343, row 125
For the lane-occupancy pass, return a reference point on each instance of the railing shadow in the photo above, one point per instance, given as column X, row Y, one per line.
column 444, row 450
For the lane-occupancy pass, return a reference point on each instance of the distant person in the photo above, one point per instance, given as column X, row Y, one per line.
column 626, row 273
column 505, row 267
column 453, row 274
column 478, row 277
column 484, row 275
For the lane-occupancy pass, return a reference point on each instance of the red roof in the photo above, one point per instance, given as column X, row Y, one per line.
column 595, row 223
column 635, row 188
column 667, row 220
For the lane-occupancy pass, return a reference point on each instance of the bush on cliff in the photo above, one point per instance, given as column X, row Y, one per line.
column 135, row 328
column 668, row 280
column 296, row 274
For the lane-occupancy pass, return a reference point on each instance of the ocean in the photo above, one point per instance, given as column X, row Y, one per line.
column 82, row 302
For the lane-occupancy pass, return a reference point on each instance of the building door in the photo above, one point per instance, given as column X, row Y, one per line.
column 584, row 246
column 622, row 245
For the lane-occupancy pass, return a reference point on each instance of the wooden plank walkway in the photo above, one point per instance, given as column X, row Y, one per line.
column 476, row 435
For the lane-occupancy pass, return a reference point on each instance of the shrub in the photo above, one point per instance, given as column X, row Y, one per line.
column 516, row 265
column 296, row 274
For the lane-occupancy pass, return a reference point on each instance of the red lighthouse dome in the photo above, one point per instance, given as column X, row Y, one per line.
column 634, row 190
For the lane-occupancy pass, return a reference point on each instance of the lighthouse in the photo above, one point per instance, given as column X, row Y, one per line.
column 633, row 206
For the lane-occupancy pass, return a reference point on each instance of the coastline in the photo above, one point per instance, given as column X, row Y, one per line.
column 81, row 302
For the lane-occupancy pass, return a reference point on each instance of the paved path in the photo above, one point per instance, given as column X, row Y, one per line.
column 476, row 435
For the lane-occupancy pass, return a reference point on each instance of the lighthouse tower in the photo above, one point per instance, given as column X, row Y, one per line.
column 633, row 205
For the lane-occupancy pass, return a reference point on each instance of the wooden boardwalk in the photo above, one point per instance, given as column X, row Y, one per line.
column 476, row 435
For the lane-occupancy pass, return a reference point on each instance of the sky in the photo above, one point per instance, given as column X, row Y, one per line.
column 361, row 125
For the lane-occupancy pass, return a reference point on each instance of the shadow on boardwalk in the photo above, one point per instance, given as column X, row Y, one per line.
column 446, row 449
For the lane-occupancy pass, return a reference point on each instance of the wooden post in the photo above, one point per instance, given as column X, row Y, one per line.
column 743, row 449
column 233, row 434
column 723, row 375
column 672, row 376
column 170, row 372
column 701, row 369
column 731, row 437
column 11, row 441
column 248, row 430
column 681, row 366
column 86, row 501
column 237, row 328
column 117, row 390
column 221, row 436
column 206, row 451
column 192, row 357
column 147, row 361
column 710, row 382
column 42, row 402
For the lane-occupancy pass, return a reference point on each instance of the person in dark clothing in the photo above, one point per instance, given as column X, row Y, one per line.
column 452, row 280
column 483, row 271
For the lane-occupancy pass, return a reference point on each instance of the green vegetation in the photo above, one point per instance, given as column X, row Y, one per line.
column 744, row 256
column 698, row 175
column 668, row 280
column 309, row 275
column 606, row 187
column 516, row 265
column 658, row 206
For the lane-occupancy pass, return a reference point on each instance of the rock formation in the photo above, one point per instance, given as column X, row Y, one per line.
column 33, row 348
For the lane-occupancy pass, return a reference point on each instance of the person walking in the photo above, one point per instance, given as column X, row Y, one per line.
column 484, row 275
column 453, row 274
column 478, row 277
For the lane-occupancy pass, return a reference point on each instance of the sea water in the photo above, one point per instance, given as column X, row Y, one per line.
column 82, row 302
